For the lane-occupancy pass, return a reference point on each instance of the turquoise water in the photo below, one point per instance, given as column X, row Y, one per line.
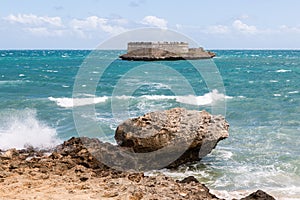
column 262, row 106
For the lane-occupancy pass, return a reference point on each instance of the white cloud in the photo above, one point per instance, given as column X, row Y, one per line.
column 218, row 29
column 120, row 21
column 244, row 28
column 155, row 21
column 45, row 32
column 53, row 26
column 34, row 20
column 94, row 23
column 290, row 29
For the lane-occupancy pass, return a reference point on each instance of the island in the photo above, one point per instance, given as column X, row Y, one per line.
column 151, row 51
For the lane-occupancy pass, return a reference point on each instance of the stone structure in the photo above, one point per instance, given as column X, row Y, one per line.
column 174, row 47
column 149, row 51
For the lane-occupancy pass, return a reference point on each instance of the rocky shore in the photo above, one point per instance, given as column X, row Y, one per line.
column 165, row 55
column 71, row 172
column 86, row 168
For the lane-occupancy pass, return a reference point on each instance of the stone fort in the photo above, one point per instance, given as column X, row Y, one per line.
column 164, row 51
column 174, row 47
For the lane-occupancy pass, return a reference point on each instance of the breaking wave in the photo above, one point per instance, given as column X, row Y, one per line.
column 206, row 99
column 21, row 128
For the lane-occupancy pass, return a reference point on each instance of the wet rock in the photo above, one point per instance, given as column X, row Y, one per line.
column 259, row 195
column 189, row 179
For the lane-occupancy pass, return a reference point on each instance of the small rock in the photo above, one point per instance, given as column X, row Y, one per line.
column 110, row 194
column 9, row 154
column 189, row 180
column 83, row 179
column 13, row 166
column 259, row 195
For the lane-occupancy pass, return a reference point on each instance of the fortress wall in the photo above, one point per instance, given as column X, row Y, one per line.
column 175, row 47
column 196, row 50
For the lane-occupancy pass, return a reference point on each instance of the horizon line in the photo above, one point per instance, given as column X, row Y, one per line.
column 91, row 49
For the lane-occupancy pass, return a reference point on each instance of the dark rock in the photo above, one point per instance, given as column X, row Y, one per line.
column 76, row 149
column 189, row 180
column 259, row 195
column 83, row 179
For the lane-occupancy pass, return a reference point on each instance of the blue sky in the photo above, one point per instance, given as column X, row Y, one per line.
column 218, row 24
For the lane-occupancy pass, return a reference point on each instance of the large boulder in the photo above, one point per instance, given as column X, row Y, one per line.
column 173, row 137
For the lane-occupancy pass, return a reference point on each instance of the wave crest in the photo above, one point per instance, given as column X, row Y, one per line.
column 207, row 99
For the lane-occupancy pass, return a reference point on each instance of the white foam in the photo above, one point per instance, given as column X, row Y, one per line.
column 11, row 82
column 206, row 99
column 124, row 97
column 70, row 102
column 158, row 97
column 283, row 70
column 22, row 128
column 51, row 71
column 294, row 92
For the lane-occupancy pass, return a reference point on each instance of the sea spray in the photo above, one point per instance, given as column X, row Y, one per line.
column 21, row 128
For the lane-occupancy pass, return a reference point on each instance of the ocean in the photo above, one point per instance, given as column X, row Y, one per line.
column 260, row 99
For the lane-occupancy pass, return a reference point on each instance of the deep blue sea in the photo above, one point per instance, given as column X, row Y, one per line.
column 260, row 98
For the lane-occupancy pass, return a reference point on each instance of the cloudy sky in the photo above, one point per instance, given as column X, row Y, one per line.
column 218, row 24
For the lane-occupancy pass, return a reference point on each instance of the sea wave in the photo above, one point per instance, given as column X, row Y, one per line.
column 72, row 102
column 21, row 128
column 11, row 82
column 206, row 99
column 283, row 70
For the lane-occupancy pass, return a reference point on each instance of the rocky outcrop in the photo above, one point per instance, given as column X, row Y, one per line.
column 72, row 172
column 159, row 54
column 157, row 140
column 173, row 137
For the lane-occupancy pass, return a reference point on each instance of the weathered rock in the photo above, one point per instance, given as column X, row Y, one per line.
column 72, row 172
column 189, row 179
column 9, row 154
column 175, row 136
column 259, row 195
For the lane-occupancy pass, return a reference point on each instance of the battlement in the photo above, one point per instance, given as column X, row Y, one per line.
column 174, row 47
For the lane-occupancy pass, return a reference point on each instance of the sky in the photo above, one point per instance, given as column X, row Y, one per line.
column 218, row 24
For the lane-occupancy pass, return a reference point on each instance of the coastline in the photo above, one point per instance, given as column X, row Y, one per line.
column 70, row 172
